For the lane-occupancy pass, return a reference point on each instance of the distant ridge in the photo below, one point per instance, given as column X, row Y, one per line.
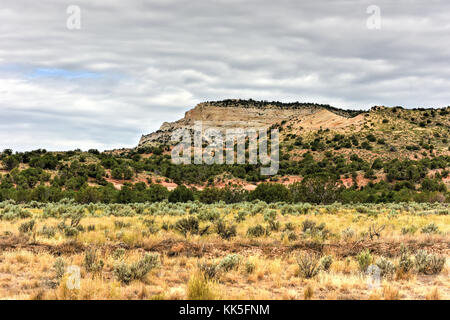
column 283, row 105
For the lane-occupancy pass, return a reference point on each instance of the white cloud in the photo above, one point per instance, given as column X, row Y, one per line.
column 156, row 59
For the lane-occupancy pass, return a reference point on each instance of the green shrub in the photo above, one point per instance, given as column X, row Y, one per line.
column 387, row 268
column 290, row 235
column 289, row 226
column 325, row 262
column 256, row 231
column 230, row 262
column 430, row 228
column 209, row 270
column 27, row 226
column 71, row 231
column 118, row 253
column 122, row 225
column 90, row 261
column 225, row 231
column 405, row 263
column 364, row 259
column 48, row 232
column 187, row 225
column 240, row 216
column 409, row 230
column 429, row 263
column 308, row 265
column 126, row 273
column 249, row 267
column 59, row 267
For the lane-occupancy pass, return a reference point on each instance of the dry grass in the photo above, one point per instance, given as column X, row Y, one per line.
column 27, row 272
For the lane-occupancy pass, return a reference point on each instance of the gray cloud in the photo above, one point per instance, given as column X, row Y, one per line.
column 135, row 64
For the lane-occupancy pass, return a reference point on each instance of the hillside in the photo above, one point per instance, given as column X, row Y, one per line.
column 242, row 113
column 381, row 131
column 380, row 155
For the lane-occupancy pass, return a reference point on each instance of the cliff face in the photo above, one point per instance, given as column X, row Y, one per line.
column 244, row 113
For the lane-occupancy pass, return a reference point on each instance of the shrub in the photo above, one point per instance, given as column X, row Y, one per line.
column 430, row 228
column 49, row 232
column 121, row 224
column 118, row 253
column 405, row 263
column 181, row 194
column 309, row 227
column 410, row 230
column 348, row 233
column 387, row 268
column 240, row 216
column 256, row 231
column 270, row 192
column 27, row 226
column 308, row 265
column 249, row 267
column 59, row 267
column 325, row 262
column 225, row 231
column 230, row 262
column 209, row 270
column 290, row 235
column 90, row 261
column 187, row 225
column 289, row 226
column 429, row 263
column 70, row 231
column 136, row 271
column 364, row 259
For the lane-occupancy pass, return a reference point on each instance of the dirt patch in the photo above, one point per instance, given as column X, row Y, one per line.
column 172, row 247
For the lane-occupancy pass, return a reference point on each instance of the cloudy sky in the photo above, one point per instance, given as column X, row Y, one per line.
column 134, row 64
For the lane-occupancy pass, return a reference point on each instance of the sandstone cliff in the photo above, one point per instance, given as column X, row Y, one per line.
column 249, row 113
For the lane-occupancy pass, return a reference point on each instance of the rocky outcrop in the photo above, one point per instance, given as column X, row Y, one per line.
column 241, row 113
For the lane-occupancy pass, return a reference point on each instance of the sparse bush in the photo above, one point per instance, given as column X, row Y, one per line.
column 430, row 228
column 118, row 253
column 47, row 231
column 71, row 231
column 290, row 235
column 240, row 216
column 256, row 231
column 27, row 226
column 364, row 259
column 348, row 233
column 387, row 268
column 249, row 267
column 187, row 226
column 60, row 267
column 409, row 230
column 325, row 262
column 209, row 270
column 90, row 261
column 405, row 263
column 121, row 224
column 225, row 231
column 308, row 265
column 136, row 271
column 429, row 263
column 230, row 262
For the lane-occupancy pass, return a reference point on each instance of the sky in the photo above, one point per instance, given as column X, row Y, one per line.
column 102, row 73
